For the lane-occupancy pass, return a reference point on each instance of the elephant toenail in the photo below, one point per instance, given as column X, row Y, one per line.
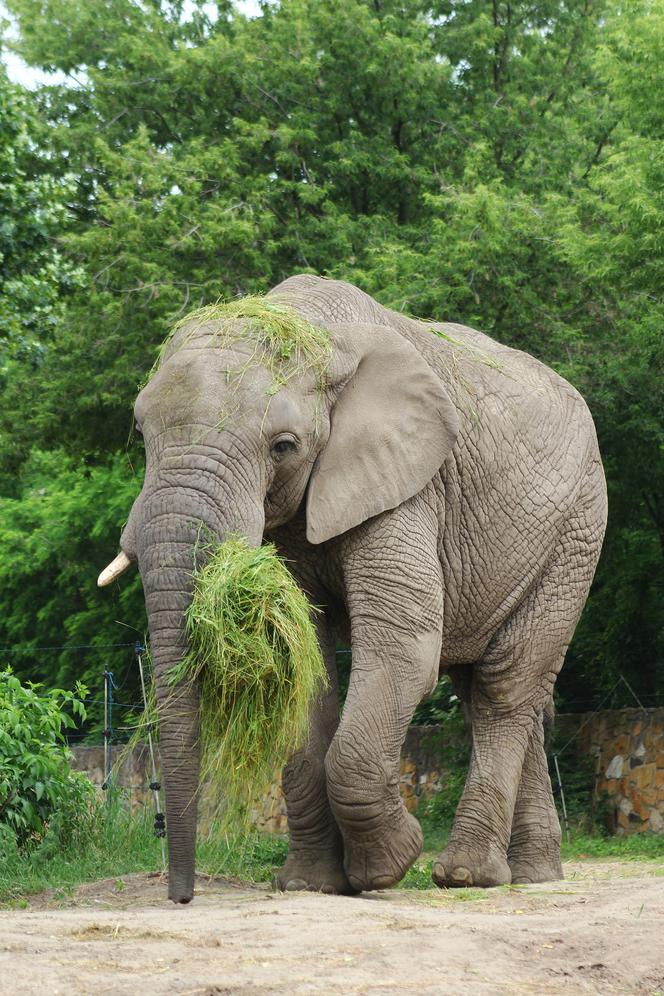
column 462, row 876
column 329, row 890
column 438, row 872
column 382, row 882
column 296, row 885
column 355, row 883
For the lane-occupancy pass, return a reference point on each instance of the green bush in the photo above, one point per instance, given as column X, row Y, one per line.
column 38, row 789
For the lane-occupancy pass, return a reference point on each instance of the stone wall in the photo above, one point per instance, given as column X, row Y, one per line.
column 422, row 774
column 131, row 769
column 628, row 747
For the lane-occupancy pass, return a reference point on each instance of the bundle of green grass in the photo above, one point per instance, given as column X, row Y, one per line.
column 284, row 341
column 254, row 651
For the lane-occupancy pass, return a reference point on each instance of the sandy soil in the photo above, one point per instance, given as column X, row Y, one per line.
column 600, row 931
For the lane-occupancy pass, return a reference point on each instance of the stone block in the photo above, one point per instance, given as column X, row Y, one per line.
column 623, row 821
column 643, row 776
column 652, row 736
column 615, row 767
column 279, row 824
column 622, row 744
column 640, row 808
column 625, row 806
column 648, row 796
column 656, row 821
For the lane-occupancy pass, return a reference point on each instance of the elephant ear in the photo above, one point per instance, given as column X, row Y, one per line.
column 391, row 429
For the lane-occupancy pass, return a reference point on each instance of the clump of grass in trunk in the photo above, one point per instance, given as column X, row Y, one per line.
column 254, row 651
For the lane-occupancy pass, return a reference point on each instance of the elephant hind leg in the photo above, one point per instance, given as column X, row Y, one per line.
column 511, row 687
column 534, row 849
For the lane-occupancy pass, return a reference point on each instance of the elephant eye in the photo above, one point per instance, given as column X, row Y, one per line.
column 283, row 446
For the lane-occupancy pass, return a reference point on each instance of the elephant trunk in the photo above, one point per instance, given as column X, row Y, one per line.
column 170, row 544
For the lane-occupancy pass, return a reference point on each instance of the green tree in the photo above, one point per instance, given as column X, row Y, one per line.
column 32, row 208
column 613, row 238
column 488, row 162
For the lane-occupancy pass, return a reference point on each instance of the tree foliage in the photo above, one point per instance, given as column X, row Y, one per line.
column 32, row 210
column 498, row 164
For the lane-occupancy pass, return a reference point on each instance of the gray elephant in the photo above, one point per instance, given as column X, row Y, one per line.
column 445, row 505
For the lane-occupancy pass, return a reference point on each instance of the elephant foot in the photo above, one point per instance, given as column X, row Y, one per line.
column 381, row 861
column 461, row 867
column 313, row 871
column 536, row 861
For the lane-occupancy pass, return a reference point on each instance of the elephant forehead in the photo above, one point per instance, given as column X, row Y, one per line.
column 213, row 385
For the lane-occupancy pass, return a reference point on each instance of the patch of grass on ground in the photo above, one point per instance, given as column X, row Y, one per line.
column 118, row 844
column 121, row 844
column 253, row 857
column 436, row 834
column 636, row 847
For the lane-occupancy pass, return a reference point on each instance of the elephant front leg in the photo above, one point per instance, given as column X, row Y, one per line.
column 381, row 839
column 315, row 855
column 394, row 597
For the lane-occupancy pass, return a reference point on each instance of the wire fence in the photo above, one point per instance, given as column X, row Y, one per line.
column 130, row 710
column 120, row 730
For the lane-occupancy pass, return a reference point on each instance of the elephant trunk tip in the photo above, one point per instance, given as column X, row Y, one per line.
column 181, row 897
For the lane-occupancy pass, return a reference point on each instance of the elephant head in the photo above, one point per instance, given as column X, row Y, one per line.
column 238, row 435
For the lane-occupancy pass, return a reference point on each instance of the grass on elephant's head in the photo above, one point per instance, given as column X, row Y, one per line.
column 254, row 652
column 285, row 342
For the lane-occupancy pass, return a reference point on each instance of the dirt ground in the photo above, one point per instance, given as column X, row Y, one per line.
column 600, row 931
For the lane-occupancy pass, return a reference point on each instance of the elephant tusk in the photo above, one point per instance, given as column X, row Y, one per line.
column 114, row 569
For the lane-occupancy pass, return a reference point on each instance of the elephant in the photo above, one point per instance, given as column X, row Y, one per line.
column 440, row 498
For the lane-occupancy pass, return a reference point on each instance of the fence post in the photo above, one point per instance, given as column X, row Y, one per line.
column 562, row 796
column 155, row 786
column 108, row 727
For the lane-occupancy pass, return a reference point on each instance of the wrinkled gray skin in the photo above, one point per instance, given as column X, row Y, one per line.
column 446, row 515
